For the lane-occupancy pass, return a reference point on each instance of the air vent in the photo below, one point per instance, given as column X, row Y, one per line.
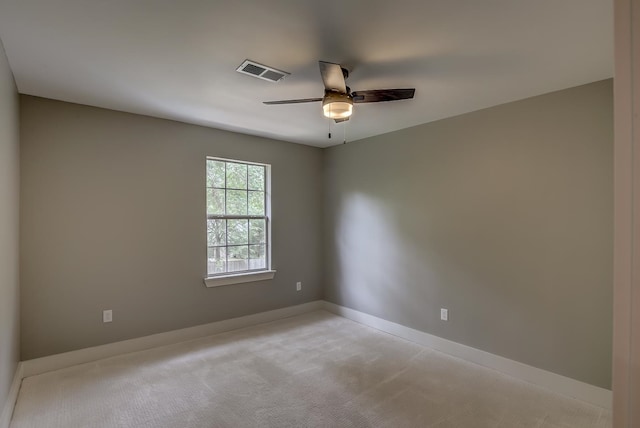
column 261, row 71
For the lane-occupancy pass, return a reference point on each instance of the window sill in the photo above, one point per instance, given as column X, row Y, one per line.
column 219, row 281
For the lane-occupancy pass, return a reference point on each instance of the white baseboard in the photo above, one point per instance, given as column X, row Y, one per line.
column 68, row 359
column 7, row 410
column 557, row 383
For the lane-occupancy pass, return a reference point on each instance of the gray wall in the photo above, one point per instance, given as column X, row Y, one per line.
column 9, row 207
column 113, row 217
column 503, row 216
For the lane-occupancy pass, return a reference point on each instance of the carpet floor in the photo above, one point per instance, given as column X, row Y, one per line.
column 312, row 370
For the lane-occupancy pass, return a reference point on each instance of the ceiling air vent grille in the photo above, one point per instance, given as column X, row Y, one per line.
column 261, row 71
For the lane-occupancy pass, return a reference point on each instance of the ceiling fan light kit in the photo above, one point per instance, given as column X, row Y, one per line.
column 337, row 106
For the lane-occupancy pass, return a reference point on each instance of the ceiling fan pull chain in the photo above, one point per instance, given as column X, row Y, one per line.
column 344, row 135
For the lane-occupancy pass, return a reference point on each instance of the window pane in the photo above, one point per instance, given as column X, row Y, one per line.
column 257, row 256
column 215, row 173
column 216, row 260
column 216, row 233
column 257, row 231
column 236, row 176
column 238, row 258
column 256, row 177
column 256, row 203
column 238, row 232
column 236, row 202
column 215, row 201
column 235, row 188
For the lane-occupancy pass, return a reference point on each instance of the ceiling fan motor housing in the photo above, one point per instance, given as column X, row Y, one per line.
column 337, row 105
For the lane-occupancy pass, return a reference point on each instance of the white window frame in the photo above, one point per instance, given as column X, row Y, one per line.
column 262, row 274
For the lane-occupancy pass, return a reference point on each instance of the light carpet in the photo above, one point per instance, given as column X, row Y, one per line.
column 313, row 370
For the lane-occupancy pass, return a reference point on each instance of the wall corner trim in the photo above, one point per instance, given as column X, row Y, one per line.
column 10, row 403
column 67, row 359
column 554, row 382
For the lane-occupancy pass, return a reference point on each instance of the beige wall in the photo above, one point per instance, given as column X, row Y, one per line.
column 503, row 216
column 9, row 207
column 626, row 302
column 113, row 217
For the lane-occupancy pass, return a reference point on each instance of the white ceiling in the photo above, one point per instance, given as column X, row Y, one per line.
column 177, row 59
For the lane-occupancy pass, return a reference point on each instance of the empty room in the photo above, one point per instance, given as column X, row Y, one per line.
column 319, row 214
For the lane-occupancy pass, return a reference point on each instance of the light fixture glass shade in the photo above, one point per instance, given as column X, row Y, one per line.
column 337, row 106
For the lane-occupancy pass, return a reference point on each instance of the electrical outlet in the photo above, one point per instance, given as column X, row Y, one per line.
column 298, row 286
column 107, row 316
column 444, row 314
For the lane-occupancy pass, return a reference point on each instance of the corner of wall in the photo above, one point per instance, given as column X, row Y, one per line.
column 9, row 245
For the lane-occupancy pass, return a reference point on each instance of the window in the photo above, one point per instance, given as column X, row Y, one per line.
column 237, row 218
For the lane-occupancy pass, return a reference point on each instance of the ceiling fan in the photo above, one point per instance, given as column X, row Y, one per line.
column 338, row 100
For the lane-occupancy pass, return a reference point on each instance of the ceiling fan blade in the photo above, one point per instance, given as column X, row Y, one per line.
column 303, row 100
column 341, row 120
column 332, row 77
column 380, row 95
